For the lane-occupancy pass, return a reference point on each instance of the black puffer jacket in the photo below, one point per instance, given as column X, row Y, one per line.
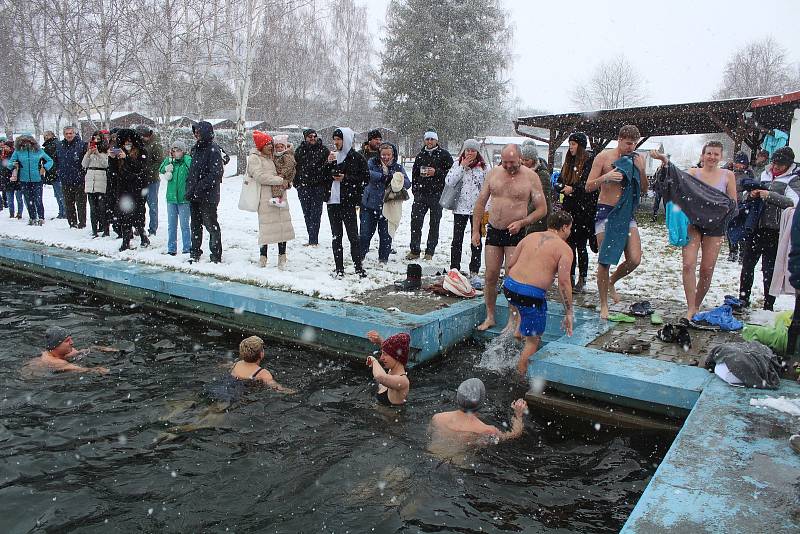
column 356, row 176
column 50, row 146
column 132, row 172
column 311, row 161
column 438, row 158
column 207, row 168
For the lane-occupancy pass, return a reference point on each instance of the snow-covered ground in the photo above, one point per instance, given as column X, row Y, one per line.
column 310, row 269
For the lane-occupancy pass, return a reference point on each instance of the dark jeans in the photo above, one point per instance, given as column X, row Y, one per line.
column 281, row 249
column 204, row 214
column 419, row 208
column 97, row 212
column 762, row 244
column 11, row 195
column 75, row 197
column 656, row 204
column 311, row 199
column 370, row 221
column 58, row 192
column 344, row 216
column 580, row 256
column 33, row 199
column 461, row 223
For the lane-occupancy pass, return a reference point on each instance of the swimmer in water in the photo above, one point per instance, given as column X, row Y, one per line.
column 392, row 386
column 60, row 349
column 450, row 431
column 248, row 367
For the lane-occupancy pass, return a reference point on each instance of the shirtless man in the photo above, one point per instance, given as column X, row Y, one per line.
column 608, row 179
column 450, row 431
column 531, row 271
column 509, row 187
column 60, row 349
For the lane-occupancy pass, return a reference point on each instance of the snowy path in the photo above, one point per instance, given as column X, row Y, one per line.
column 310, row 269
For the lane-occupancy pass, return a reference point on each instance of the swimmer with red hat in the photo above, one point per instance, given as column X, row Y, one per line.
column 393, row 385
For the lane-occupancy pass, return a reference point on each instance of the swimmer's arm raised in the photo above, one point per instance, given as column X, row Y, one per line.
column 517, row 426
column 385, row 379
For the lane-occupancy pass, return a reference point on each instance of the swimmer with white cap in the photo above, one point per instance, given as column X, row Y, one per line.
column 465, row 426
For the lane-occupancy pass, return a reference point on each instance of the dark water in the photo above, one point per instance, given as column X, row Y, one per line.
column 87, row 453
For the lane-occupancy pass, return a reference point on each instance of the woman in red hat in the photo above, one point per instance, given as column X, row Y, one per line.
column 274, row 222
column 393, row 385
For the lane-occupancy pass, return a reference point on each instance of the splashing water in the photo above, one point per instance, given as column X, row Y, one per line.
column 501, row 354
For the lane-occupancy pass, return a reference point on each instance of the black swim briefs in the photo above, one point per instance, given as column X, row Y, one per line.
column 502, row 238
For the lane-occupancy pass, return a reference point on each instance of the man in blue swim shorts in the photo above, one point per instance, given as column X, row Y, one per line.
column 531, row 270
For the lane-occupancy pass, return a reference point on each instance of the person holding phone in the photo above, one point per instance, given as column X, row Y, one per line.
column 427, row 183
column 95, row 163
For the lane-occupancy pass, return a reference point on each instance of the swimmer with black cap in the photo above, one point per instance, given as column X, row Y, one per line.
column 59, row 350
column 463, row 425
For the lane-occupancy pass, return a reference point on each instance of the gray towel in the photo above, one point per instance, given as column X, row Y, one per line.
column 749, row 361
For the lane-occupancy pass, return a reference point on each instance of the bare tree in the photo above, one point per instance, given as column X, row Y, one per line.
column 759, row 68
column 351, row 48
column 613, row 84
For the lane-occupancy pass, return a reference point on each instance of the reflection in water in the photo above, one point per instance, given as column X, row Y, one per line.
column 99, row 454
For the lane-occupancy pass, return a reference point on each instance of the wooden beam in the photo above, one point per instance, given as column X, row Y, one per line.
column 721, row 125
column 526, row 134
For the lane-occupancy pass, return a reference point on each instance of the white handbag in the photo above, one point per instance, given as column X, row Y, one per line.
column 250, row 196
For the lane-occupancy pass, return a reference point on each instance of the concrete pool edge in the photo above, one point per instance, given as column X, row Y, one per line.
column 729, row 469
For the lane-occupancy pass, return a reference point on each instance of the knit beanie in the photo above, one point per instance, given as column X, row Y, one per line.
column 281, row 138
column 431, row 135
column 179, row 145
column 528, row 151
column 471, row 395
column 783, row 156
column 741, row 158
column 471, row 144
column 54, row 336
column 308, row 131
column 580, row 138
column 261, row 139
column 397, row 347
column 374, row 134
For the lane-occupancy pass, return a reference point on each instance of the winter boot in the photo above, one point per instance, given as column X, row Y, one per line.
column 145, row 240
column 281, row 261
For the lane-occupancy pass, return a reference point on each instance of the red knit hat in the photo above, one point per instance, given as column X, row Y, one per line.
column 397, row 347
column 261, row 139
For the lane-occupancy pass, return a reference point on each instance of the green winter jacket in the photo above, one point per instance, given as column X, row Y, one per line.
column 176, row 185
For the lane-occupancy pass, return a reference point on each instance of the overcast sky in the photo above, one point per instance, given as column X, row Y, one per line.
column 680, row 49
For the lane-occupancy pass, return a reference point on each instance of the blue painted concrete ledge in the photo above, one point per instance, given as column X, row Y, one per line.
column 730, row 468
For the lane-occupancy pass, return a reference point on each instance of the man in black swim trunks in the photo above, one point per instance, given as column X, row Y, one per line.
column 509, row 188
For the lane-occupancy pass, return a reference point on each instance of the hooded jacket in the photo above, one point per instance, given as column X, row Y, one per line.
column 69, row 156
column 310, row 160
column 131, row 171
column 355, row 170
column 784, row 192
column 28, row 154
column 438, row 158
column 207, row 168
column 374, row 192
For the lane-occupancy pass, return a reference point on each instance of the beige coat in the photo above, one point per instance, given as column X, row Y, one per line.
column 274, row 223
column 96, row 179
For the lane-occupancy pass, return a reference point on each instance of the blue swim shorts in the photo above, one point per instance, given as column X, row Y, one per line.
column 531, row 302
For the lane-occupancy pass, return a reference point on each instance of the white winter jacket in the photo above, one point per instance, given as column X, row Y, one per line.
column 96, row 166
column 471, row 184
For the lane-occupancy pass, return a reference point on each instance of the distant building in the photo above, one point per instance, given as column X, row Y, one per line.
column 118, row 119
